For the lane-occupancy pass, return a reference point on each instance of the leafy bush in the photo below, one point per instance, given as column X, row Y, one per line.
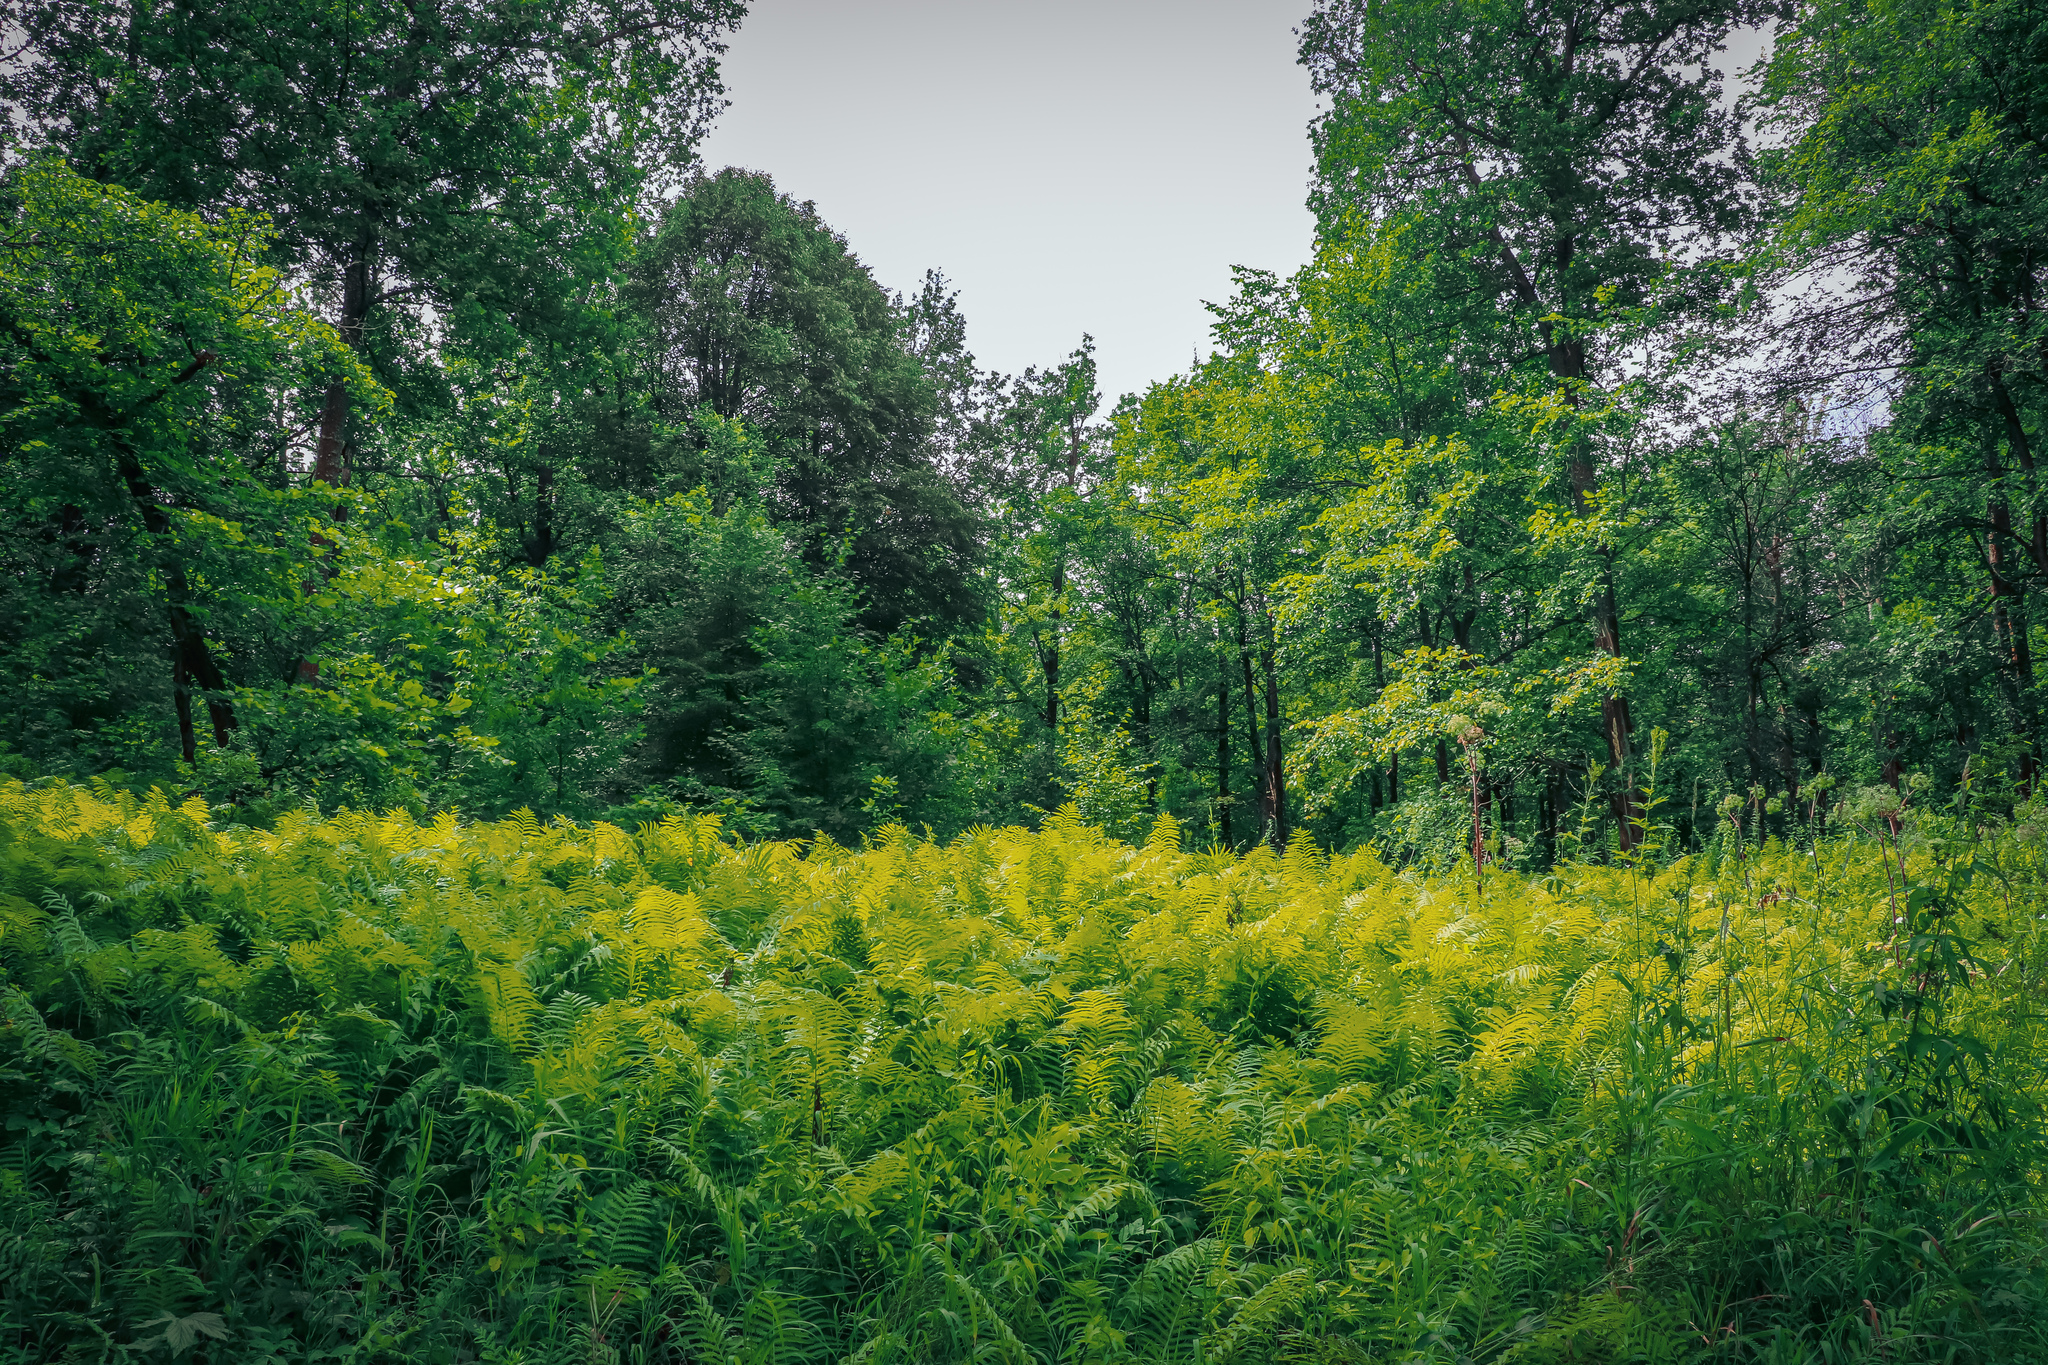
column 369, row 1088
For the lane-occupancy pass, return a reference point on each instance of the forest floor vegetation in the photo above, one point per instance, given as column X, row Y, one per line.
column 362, row 1087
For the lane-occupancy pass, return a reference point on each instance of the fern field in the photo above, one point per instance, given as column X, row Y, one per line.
column 366, row 1089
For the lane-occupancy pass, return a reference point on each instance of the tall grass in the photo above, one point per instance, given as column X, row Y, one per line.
column 366, row 1089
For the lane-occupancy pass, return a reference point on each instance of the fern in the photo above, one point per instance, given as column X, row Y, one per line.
column 579, row 1093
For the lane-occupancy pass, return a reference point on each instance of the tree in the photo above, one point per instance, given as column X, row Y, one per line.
column 1916, row 177
column 757, row 311
column 437, row 167
column 148, row 360
column 1556, row 163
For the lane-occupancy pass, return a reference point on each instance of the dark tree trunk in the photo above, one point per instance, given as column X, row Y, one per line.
column 2022, row 448
column 193, row 662
column 1139, row 675
column 192, row 658
column 2008, row 623
column 1549, row 814
column 330, row 455
column 1223, row 750
column 1605, row 618
column 1251, row 726
column 1052, row 648
column 1276, row 772
column 1379, row 679
column 543, row 517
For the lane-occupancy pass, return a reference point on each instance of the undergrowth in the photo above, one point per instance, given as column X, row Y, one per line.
column 366, row 1089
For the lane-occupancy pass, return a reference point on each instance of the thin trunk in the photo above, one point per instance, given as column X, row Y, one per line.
column 1052, row 648
column 1552, row 817
column 1478, row 825
column 1251, row 726
column 330, row 456
column 181, row 702
column 1379, row 679
column 331, row 452
column 1461, row 621
column 2007, row 620
column 1140, row 677
column 1276, row 778
column 1223, row 750
column 192, row 658
column 193, row 662
column 1605, row 616
column 1614, row 716
column 1753, row 721
column 543, row 517
column 2022, row 448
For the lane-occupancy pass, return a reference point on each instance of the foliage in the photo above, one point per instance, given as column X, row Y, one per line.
column 461, row 167
column 1619, row 546
column 757, row 311
column 392, row 1089
column 151, row 366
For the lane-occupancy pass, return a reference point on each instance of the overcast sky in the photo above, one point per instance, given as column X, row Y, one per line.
column 1072, row 166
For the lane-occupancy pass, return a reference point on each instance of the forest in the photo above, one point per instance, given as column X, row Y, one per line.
column 580, row 782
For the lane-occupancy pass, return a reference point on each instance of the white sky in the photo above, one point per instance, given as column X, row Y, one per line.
column 1072, row 166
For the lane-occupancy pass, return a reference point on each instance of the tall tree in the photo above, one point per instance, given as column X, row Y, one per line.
column 757, row 311
column 144, row 357
column 1915, row 183
column 1556, row 161
column 428, row 166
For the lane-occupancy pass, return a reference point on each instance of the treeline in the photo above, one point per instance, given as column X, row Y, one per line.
column 395, row 415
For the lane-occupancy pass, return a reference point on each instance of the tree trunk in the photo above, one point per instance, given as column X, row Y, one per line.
column 543, row 517
column 331, row 452
column 330, row 455
column 1139, row 676
column 2008, row 624
column 192, row 658
column 1052, row 649
column 1567, row 361
column 1614, row 717
column 1379, row 679
column 1251, row 724
column 193, row 662
column 2022, row 449
column 1566, row 355
column 1276, row 773
column 1223, row 750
